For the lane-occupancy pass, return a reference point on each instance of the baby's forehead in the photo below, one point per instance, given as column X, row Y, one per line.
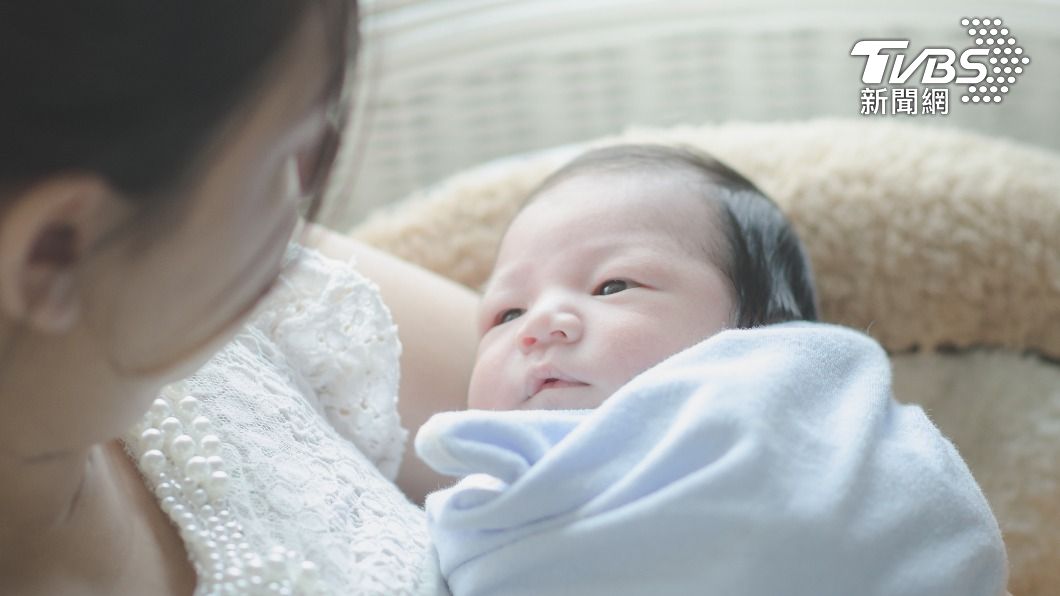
column 675, row 201
column 617, row 204
column 677, row 192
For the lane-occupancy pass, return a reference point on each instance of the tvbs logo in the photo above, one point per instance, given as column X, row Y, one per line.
column 989, row 66
column 939, row 70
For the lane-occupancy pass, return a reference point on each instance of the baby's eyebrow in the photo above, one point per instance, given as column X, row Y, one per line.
column 634, row 258
column 492, row 296
column 484, row 312
column 488, row 300
column 495, row 280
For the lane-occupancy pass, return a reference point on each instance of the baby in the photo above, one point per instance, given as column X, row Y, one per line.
column 653, row 411
column 625, row 256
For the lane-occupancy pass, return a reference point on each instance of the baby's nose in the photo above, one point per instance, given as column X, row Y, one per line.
column 530, row 340
column 554, row 327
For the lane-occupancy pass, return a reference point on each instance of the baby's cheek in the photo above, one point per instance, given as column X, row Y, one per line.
column 490, row 387
column 630, row 354
column 636, row 352
column 478, row 397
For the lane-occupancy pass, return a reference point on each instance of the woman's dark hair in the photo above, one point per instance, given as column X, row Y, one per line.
column 133, row 90
column 766, row 264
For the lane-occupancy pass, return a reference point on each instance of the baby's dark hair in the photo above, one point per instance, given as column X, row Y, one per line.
column 765, row 263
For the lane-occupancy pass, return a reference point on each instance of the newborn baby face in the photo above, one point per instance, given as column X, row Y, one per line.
column 600, row 278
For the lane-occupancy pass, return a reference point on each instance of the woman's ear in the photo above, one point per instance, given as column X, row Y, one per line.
column 45, row 232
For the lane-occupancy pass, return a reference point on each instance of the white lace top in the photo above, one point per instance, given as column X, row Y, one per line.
column 275, row 460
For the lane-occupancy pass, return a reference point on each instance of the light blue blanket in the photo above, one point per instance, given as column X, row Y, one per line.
column 765, row 462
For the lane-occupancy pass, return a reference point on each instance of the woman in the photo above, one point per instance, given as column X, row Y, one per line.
column 152, row 157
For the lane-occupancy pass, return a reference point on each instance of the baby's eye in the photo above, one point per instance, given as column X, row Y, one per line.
column 613, row 286
column 508, row 315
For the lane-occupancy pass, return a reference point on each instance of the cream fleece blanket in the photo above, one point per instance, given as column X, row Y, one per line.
column 923, row 237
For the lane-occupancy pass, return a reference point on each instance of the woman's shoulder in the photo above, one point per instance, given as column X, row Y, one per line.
column 288, row 439
column 307, row 272
column 332, row 329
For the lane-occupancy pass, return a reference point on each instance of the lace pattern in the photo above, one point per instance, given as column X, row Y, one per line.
column 339, row 340
column 303, row 403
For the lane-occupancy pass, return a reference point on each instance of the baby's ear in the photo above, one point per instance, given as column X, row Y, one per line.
column 44, row 238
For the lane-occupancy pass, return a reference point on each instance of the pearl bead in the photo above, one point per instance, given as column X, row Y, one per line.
column 216, row 463
column 217, row 483
column 189, row 405
column 183, row 447
column 167, row 489
column 310, row 570
column 159, row 409
column 152, row 438
column 201, row 425
column 308, row 576
column 210, row 445
column 168, row 503
column 171, row 426
column 153, row 460
column 197, row 469
column 200, row 499
column 276, row 562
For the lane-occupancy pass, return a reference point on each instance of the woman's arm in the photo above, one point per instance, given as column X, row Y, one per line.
column 436, row 325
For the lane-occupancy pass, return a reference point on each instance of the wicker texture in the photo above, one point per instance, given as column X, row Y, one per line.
column 446, row 84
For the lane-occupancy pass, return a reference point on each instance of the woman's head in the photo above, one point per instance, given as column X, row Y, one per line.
column 152, row 163
column 134, row 91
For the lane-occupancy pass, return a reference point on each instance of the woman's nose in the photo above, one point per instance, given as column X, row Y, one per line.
column 546, row 328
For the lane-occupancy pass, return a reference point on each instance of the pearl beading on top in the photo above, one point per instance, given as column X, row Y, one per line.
column 181, row 459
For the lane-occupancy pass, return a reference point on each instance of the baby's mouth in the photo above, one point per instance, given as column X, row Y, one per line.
column 540, row 385
column 544, row 376
column 555, row 383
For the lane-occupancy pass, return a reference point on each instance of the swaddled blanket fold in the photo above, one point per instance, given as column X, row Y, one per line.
column 768, row 461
